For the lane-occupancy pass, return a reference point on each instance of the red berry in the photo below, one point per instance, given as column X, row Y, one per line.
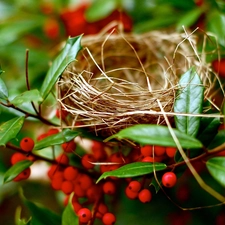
column 131, row 194
column 169, row 179
column 146, row 150
column 51, row 28
column 57, row 181
column 69, row 147
column 93, row 193
column 87, row 160
column 27, row 144
column 67, row 187
column 98, row 150
column 170, row 151
column 84, row 181
column 76, row 206
column 117, row 157
column 84, row 215
column 159, row 150
column 102, row 208
column 70, row 173
column 52, row 131
column 145, row 196
column 63, row 159
column 108, row 219
column 219, row 67
column 17, row 157
column 109, row 188
column 23, row 175
column 134, row 186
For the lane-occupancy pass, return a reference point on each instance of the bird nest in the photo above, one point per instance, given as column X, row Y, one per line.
column 118, row 80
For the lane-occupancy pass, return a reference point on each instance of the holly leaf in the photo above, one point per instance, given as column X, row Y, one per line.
column 10, row 129
column 3, row 90
column 67, row 55
column 41, row 215
column 68, row 216
column 99, row 9
column 218, row 140
column 27, row 96
column 56, row 139
column 16, row 169
column 189, row 100
column 216, row 167
column 133, row 170
column 146, row 134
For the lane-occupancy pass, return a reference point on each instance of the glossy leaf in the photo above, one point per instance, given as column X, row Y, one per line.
column 218, row 140
column 67, row 55
column 99, row 9
column 56, row 139
column 41, row 215
column 10, row 129
column 216, row 167
column 189, row 18
column 3, row 90
column 145, row 134
column 189, row 100
column 208, row 130
column 216, row 23
column 69, row 217
column 27, row 96
column 133, row 170
column 17, row 168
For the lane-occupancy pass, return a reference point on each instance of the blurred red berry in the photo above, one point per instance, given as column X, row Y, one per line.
column 69, row 147
column 23, row 175
column 51, row 28
column 145, row 196
column 87, row 161
column 219, row 67
column 108, row 219
column 27, row 144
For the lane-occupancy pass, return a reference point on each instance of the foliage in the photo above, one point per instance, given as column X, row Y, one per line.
column 27, row 109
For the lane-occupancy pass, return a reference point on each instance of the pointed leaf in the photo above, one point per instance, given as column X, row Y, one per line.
column 218, row 140
column 100, row 9
column 27, row 96
column 69, row 217
column 189, row 100
column 17, row 168
column 145, row 134
column 133, row 170
column 67, row 55
column 56, row 139
column 41, row 215
column 216, row 167
column 10, row 129
column 3, row 90
column 208, row 129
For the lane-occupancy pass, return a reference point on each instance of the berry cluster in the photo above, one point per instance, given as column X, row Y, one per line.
column 27, row 145
column 89, row 199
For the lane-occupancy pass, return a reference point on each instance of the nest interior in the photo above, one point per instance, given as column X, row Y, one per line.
column 117, row 80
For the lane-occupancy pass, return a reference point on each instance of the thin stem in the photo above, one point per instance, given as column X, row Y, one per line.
column 27, row 79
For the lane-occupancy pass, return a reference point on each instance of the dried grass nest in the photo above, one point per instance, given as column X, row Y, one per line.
column 118, row 80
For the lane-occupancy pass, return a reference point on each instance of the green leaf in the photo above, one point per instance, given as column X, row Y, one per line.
column 133, row 170
column 3, row 90
column 215, row 24
column 146, row 134
column 27, row 96
column 68, row 216
column 56, row 139
column 99, row 9
column 41, row 215
column 189, row 18
column 17, row 168
column 218, row 140
column 10, row 129
column 208, row 129
column 216, row 167
column 189, row 100
column 68, row 54
column 155, row 184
